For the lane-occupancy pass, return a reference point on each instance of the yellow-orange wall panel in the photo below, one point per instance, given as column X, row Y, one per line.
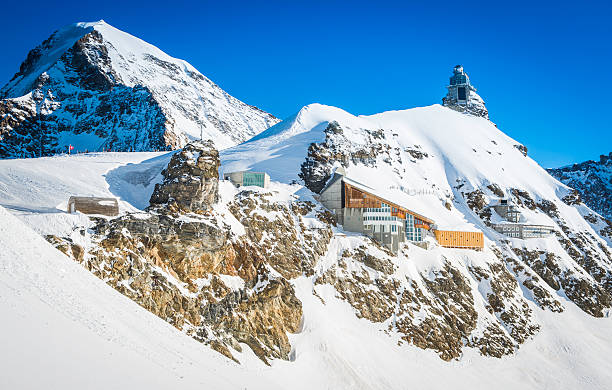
column 455, row 239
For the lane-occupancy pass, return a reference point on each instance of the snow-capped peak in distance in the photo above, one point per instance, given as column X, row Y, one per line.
column 96, row 87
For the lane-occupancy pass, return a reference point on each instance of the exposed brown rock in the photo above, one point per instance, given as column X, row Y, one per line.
column 191, row 179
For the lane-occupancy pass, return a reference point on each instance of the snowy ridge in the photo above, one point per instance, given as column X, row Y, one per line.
column 96, row 87
column 461, row 150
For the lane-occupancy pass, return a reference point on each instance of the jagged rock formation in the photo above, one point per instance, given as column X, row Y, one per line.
column 94, row 87
column 317, row 168
column 592, row 180
column 191, row 180
column 435, row 311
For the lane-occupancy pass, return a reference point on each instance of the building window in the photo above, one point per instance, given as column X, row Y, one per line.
column 253, row 179
column 461, row 93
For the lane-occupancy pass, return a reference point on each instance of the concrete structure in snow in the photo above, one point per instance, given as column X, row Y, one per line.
column 93, row 205
column 507, row 210
column 523, row 231
column 248, row 178
column 514, row 228
column 462, row 95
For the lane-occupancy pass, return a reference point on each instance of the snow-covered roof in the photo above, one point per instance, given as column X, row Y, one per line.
column 387, row 196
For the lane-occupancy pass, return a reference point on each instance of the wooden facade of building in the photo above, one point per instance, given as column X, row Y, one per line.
column 356, row 198
column 464, row 240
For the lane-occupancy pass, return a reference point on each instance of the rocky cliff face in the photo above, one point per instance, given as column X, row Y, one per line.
column 183, row 261
column 97, row 88
column 592, row 180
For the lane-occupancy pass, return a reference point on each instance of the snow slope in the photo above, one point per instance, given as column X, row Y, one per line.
column 64, row 328
column 450, row 136
column 95, row 87
column 461, row 150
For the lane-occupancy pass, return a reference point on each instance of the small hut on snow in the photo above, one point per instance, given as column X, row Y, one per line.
column 93, row 205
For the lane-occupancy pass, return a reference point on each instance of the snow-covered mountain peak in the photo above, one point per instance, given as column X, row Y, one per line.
column 101, row 88
column 472, row 144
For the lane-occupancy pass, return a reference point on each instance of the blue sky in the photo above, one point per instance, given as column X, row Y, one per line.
column 543, row 68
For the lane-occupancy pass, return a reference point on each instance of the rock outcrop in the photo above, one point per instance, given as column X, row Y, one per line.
column 182, row 261
column 191, row 180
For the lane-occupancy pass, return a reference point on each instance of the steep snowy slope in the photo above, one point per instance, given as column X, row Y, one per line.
column 64, row 328
column 432, row 151
column 95, row 87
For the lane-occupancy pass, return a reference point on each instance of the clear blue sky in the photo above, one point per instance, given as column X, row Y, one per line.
column 543, row 68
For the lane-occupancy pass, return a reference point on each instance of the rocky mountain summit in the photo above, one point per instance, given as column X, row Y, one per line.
column 592, row 180
column 97, row 88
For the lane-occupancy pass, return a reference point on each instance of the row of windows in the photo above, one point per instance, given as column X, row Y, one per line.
column 379, row 210
column 458, row 79
column 510, row 228
column 379, row 218
column 252, row 179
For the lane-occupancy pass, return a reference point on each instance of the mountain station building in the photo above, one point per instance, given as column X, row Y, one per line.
column 514, row 226
column 358, row 209
column 462, row 96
